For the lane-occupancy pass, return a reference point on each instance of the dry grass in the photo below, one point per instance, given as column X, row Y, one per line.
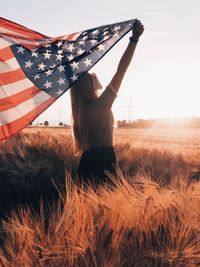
column 150, row 218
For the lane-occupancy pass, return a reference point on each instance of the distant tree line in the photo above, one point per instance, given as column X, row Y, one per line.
column 193, row 122
column 46, row 124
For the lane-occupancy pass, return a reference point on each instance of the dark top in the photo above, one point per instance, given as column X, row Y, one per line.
column 100, row 119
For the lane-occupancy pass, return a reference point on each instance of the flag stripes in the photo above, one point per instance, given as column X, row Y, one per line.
column 23, row 108
column 16, row 99
column 10, row 128
column 9, row 65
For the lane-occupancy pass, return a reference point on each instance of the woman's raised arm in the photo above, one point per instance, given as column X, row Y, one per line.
column 127, row 56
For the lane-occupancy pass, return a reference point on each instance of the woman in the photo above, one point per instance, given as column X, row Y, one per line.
column 92, row 119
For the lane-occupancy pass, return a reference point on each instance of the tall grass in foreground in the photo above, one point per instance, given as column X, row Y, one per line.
column 150, row 218
column 140, row 224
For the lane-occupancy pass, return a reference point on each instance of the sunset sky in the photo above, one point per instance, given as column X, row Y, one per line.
column 163, row 79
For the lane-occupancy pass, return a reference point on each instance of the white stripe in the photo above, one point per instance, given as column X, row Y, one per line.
column 14, row 88
column 9, row 65
column 3, row 30
column 23, row 108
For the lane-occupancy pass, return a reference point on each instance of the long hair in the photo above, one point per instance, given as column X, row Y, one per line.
column 82, row 94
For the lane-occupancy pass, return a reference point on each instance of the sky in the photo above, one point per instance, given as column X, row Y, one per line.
column 163, row 78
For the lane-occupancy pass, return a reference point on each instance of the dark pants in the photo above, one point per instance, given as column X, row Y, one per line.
column 94, row 165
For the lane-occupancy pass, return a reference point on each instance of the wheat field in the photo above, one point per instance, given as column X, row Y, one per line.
column 151, row 217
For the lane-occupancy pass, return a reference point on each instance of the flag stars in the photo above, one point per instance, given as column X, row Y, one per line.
column 74, row 78
column 59, row 57
column 80, row 51
column 60, row 51
column 70, row 47
column 101, row 47
column 41, row 66
column 59, row 92
column 48, row 84
column 28, row 64
column 61, row 81
column 93, row 41
column 87, row 62
column 74, row 65
column 47, row 55
column 34, row 54
column 37, row 76
column 117, row 28
column 70, row 57
column 49, row 72
column 59, row 44
column 61, row 68
column 20, row 50
column 57, row 63
column 81, row 42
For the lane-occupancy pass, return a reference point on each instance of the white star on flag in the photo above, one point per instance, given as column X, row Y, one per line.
column 41, row 66
column 59, row 44
column 74, row 65
column 61, row 81
column 101, row 47
column 93, row 41
column 59, row 57
column 80, row 51
column 74, row 78
column 81, row 42
column 20, row 50
column 48, row 84
column 34, row 54
column 49, row 72
column 47, row 55
column 70, row 47
column 37, row 76
column 28, row 64
column 87, row 62
column 61, row 68
column 116, row 28
column 59, row 92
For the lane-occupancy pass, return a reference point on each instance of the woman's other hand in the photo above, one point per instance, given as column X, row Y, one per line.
column 138, row 29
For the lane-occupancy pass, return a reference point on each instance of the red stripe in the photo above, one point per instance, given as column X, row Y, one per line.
column 11, row 76
column 28, row 46
column 12, row 128
column 12, row 26
column 6, row 54
column 21, row 37
column 15, row 100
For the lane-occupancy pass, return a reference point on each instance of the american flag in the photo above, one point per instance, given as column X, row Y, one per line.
column 35, row 69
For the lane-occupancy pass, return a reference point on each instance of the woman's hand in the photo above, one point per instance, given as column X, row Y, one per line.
column 138, row 29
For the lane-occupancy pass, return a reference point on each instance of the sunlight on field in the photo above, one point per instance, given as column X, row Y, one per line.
column 178, row 141
column 183, row 141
